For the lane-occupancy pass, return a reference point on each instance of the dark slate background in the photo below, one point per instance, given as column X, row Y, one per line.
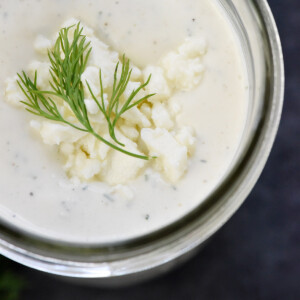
column 257, row 254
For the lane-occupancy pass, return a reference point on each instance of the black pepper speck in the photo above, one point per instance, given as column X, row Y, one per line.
column 108, row 197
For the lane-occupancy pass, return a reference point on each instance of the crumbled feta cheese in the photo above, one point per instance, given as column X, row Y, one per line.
column 89, row 32
column 131, row 87
column 67, row 149
column 43, row 76
column 91, row 106
column 136, row 73
column 88, row 145
column 70, row 22
column 42, row 45
column 54, row 133
column 88, row 168
column 90, row 77
column 13, row 93
column 103, row 149
column 184, row 68
column 82, row 167
column 157, row 85
column 146, row 109
column 102, row 57
column 120, row 167
column 130, row 132
column 161, row 116
column 193, row 48
column 171, row 155
column 135, row 116
column 174, row 108
column 184, row 73
column 186, row 137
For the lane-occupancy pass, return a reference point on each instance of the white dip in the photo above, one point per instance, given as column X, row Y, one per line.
column 54, row 192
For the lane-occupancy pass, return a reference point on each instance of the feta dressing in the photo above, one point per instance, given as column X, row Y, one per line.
column 193, row 124
column 83, row 154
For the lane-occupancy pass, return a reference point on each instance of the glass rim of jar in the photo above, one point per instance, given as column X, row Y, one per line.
column 169, row 243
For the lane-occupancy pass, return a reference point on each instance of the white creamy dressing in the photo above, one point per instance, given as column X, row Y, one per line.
column 35, row 193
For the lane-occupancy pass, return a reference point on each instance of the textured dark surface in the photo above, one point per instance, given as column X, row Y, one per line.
column 257, row 254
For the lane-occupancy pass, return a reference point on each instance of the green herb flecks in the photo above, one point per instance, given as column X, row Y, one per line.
column 68, row 61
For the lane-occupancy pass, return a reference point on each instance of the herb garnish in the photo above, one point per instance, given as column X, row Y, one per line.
column 68, row 61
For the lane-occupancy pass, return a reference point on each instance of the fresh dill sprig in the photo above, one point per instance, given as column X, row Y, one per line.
column 112, row 112
column 68, row 61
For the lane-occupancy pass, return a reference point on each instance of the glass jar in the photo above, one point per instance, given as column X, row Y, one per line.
column 146, row 256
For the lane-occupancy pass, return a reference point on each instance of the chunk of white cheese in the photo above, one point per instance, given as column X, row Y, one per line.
column 174, row 108
column 105, row 59
column 43, row 75
column 91, row 106
column 136, row 117
column 122, row 168
column 193, row 47
column 157, row 85
column 67, row 149
column 90, row 78
column 146, row 109
column 42, row 44
column 131, row 87
column 82, row 167
column 161, row 116
column 72, row 24
column 103, row 149
column 184, row 68
column 171, row 155
column 88, row 145
column 136, row 73
column 55, row 133
column 130, row 132
column 184, row 74
column 186, row 137
column 13, row 93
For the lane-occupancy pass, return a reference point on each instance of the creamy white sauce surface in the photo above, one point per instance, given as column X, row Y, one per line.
column 36, row 195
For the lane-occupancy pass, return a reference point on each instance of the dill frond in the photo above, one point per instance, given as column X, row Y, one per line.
column 68, row 61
